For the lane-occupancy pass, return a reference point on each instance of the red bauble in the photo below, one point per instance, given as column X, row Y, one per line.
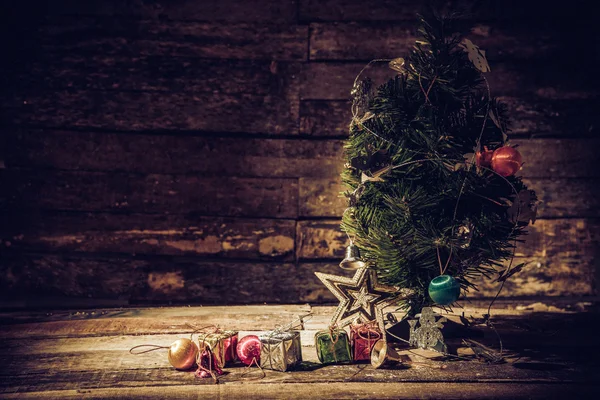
column 484, row 158
column 248, row 349
column 506, row 161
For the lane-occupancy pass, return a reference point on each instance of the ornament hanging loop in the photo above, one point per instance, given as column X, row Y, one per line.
column 297, row 323
column 151, row 347
column 248, row 368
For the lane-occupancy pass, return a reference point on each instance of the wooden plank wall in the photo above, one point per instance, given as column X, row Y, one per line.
column 188, row 152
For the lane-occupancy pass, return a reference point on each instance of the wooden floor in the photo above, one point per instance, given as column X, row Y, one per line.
column 551, row 352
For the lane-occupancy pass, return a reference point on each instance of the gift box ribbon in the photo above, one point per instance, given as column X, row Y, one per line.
column 333, row 330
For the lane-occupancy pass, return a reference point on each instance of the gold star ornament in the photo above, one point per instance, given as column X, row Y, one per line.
column 361, row 297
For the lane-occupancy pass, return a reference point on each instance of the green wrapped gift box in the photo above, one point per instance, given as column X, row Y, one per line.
column 333, row 346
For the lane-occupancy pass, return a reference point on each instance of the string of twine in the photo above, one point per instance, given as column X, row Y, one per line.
column 355, row 118
column 443, row 270
column 153, row 347
column 285, row 328
column 332, row 341
column 426, row 93
column 248, row 370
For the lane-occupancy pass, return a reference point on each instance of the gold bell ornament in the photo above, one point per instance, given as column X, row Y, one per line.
column 383, row 355
column 352, row 260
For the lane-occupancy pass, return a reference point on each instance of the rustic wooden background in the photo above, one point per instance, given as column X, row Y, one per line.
column 188, row 151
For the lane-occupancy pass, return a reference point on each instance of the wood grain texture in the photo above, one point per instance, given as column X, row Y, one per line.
column 354, row 41
column 367, row 40
column 138, row 111
column 163, row 280
column 314, row 10
column 321, row 118
column 115, row 36
column 321, row 197
column 109, row 323
column 550, row 116
column 154, row 149
column 402, row 10
column 561, row 255
column 207, row 10
column 323, row 239
column 562, row 158
column 95, row 326
column 540, row 101
column 85, row 353
column 558, row 158
column 573, row 197
column 137, row 234
column 98, row 72
column 77, row 344
column 333, row 80
column 156, row 369
column 169, row 194
column 325, row 390
column 176, row 154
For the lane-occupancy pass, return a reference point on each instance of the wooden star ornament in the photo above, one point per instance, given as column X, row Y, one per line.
column 361, row 297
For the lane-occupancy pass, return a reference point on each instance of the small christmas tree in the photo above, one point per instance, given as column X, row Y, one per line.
column 433, row 200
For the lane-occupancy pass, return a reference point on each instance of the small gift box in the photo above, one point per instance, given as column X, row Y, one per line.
column 207, row 364
column 363, row 337
column 223, row 345
column 280, row 351
column 332, row 346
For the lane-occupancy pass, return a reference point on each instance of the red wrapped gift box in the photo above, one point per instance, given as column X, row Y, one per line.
column 362, row 338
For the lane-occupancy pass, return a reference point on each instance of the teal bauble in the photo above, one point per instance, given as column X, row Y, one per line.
column 444, row 290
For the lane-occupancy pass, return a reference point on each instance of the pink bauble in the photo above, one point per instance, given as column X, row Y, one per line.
column 248, row 349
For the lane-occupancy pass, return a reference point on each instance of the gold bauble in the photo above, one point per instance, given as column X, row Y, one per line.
column 182, row 354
